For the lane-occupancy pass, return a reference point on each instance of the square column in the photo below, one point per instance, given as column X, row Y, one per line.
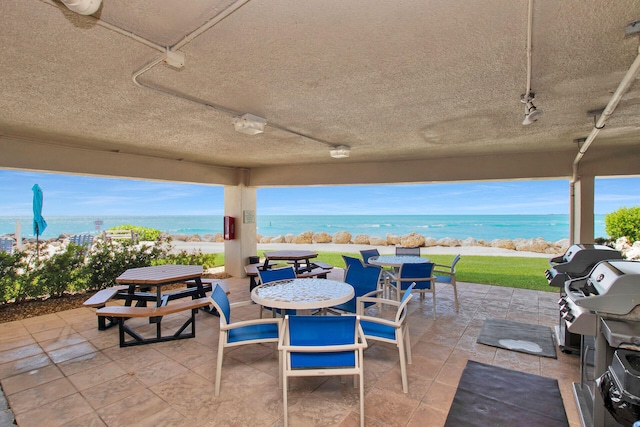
column 240, row 203
column 582, row 218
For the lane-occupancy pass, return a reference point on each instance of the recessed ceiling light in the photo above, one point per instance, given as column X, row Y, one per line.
column 340, row 151
column 249, row 124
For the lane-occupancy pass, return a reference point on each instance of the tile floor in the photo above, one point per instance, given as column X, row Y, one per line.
column 60, row 370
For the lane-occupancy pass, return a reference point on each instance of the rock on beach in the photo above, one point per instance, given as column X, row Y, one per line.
column 415, row 240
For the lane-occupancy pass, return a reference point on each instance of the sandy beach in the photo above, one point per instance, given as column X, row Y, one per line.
column 218, row 247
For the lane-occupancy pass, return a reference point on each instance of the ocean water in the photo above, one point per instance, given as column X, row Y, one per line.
column 486, row 227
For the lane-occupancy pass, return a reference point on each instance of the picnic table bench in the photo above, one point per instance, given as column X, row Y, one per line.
column 120, row 313
column 110, row 235
column 102, row 297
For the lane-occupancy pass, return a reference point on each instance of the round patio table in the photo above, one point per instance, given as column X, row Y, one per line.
column 302, row 294
column 396, row 261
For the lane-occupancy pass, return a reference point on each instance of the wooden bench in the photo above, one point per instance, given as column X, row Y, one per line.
column 318, row 264
column 120, row 235
column 323, row 265
column 100, row 299
column 121, row 313
column 316, row 272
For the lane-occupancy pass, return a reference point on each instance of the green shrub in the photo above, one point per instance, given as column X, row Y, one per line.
column 143, row 233
column 10, row 268
column 108, row 260
column 26, row 284
column 62, row 272
column 194, row 258
column 625, row 222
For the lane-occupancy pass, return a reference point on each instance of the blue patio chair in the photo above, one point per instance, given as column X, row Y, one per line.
column 242, row 332
column 447, row 274
column 400, row 251
column 368, row 253
column 322, row 346
column 349, row 261
column 421, row 275
column 364, row 279
column 274, row 275
column 394, row 331
column 6, row 245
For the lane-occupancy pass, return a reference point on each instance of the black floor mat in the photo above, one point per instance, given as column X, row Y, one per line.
column 523, row 337
column 492, row 396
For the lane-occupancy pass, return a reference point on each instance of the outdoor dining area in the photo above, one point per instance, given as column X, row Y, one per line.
column 386, row 341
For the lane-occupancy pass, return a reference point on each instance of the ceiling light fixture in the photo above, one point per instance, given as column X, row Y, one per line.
column 531, row 113
column 249, row 124
column 83, row 7
column 340, row 151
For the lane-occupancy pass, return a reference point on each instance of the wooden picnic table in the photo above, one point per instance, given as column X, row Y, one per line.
column 159, row 276
column 301, row 259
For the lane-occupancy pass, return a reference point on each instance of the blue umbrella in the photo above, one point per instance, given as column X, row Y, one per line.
column 39, row 224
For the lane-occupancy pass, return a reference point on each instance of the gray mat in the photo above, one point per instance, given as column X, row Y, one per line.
column 523, row 337
column 492, row 396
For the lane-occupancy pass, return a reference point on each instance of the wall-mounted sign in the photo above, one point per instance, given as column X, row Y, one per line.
column 249, row 217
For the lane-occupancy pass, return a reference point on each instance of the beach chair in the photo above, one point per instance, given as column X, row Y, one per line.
column 420, row 277
column 368, row 253
column 447, row 274
column 6, row 245
column 393, row 331
column 322, row 346
column 363, row 279
column 241, row 332
column 268, row 276
column 82, row 240
column 400, row 251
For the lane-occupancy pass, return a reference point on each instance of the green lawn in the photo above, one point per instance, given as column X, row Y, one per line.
column 514, row 272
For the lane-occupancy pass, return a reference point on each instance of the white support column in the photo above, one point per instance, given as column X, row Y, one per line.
column 582, row 218
column 240, row 203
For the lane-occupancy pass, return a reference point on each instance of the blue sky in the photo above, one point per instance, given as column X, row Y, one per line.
column 78, row 195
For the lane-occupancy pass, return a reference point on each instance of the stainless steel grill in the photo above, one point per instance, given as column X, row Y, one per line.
column 604, row 309
column 576, row 263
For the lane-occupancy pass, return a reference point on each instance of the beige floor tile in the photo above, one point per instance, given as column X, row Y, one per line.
column 19, row 341
column 56, row 413
column 91, row 419
column 40, row 395
column 71, row 352
column 440, row 396
column 19, row 353
column 427, row 416
column 52, row 334
column 316, row 411
column 160, row 371
column 104, row 373
column 65, row 337
column 32, row 378
column 89, row 361
column 24, row 365
column 388, row 408
column 122, row 387
column 43, row 323
column 132, row 410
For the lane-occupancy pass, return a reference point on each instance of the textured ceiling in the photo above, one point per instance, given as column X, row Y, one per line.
column 394, row 80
